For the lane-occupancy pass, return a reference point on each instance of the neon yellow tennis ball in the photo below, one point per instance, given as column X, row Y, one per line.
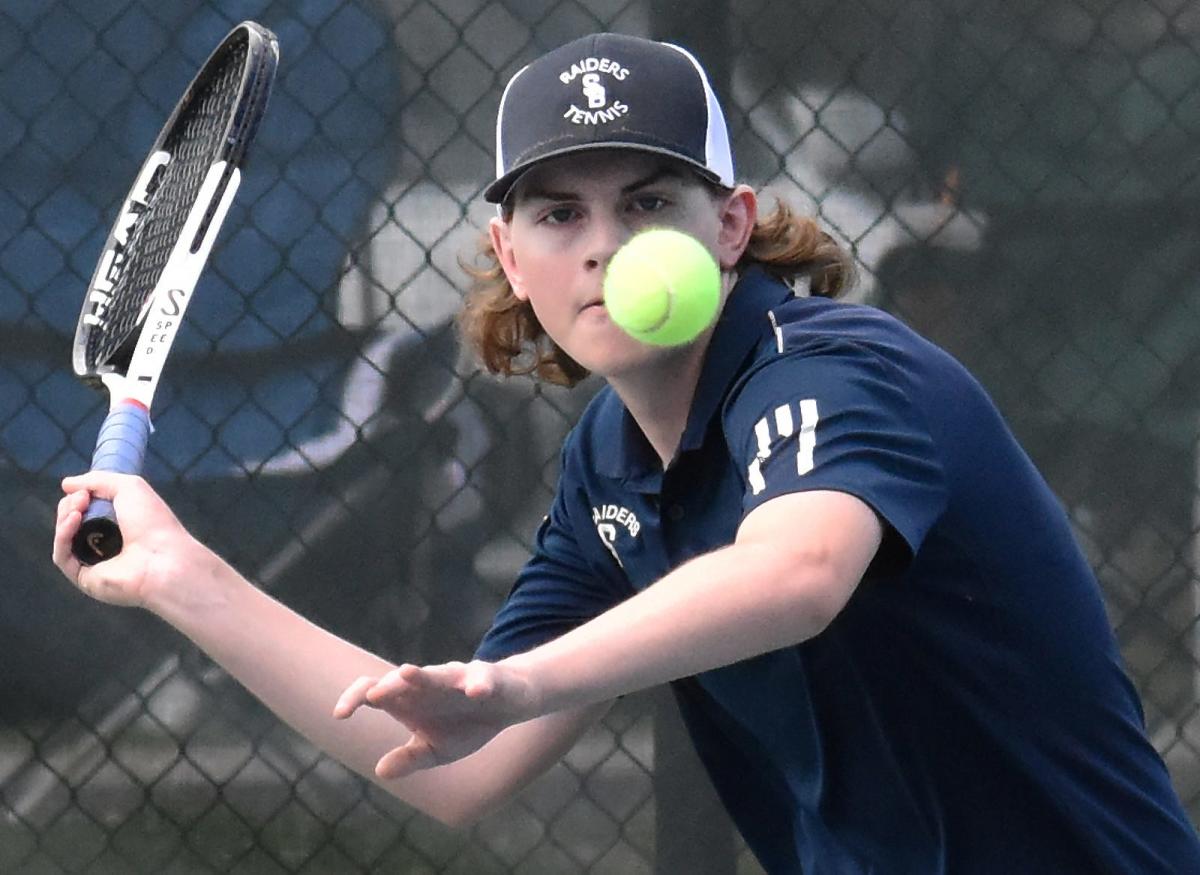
column 662, row 287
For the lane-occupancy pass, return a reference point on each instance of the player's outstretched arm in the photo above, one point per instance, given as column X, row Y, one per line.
column 296, row 668
column 796, row 562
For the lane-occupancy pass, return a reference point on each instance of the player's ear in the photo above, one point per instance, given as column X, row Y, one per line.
column 500, row 233
column 738, row 213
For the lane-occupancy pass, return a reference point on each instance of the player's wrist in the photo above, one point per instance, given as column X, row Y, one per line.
column 528, row 676
column 187, row 580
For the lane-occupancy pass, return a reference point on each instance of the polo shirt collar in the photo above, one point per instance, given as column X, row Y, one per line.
column 742, row 324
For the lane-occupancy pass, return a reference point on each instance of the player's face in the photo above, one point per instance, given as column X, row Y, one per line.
column 570, row 215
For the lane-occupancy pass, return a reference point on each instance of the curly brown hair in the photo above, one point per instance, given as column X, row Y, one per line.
column 508, row 338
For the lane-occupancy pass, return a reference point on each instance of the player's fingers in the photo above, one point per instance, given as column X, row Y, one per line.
column 72, row 501
column 64, row 532
column 414, row 675
column 394, row 683
column 102, row 484
column 411, row 757
column 449, row 675
column 410, row 672
column 114, row 581
column 479, row 681
column 91, row 580
column 407, row 683
column 354, row 697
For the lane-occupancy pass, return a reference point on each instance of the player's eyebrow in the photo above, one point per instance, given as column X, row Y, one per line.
column 536, row 192
column 659, row 174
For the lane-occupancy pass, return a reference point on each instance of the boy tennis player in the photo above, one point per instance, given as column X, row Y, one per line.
column 889, row 651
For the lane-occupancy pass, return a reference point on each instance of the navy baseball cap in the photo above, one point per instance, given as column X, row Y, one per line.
column 610, row 91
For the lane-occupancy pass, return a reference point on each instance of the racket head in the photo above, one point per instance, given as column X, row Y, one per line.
column 215, row 120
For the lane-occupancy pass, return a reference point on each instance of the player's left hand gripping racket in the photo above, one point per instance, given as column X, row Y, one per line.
column 156, row 251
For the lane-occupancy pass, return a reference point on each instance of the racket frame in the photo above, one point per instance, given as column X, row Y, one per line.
column 132, row 372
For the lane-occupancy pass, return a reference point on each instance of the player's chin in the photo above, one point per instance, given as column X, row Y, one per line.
column 618, row 354
column 598, row 344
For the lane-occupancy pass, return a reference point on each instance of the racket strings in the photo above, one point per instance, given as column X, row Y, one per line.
column 194, row 143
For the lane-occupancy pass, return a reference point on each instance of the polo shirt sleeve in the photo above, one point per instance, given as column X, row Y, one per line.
column 559, row 588
column 837, row 417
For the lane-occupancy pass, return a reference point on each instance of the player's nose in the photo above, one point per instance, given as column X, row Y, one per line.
column 605, row 235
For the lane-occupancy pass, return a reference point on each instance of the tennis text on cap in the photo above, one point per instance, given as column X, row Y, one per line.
column 591, row 74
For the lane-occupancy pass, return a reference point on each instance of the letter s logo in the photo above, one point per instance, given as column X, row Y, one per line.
column 593, row 90
column 173, row 306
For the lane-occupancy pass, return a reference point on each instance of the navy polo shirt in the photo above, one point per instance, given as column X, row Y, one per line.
column 967, row 712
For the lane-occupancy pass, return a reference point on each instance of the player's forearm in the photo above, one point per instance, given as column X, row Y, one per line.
column 718, row 609
column 292, row 665
column 296, row 668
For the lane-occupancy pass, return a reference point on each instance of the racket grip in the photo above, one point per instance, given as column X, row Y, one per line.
column 120, row 447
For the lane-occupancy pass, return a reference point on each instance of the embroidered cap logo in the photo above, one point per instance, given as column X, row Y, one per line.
column 590, row 73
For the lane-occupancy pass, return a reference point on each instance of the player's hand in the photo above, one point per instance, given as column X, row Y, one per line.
column 154, row 541
column 452, row 710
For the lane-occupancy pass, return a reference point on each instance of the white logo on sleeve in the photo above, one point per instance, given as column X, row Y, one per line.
column 781, row 425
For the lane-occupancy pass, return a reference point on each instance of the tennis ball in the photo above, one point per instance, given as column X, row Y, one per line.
column 662, row 287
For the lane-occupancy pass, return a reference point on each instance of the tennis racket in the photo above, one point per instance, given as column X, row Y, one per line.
column 156, row 251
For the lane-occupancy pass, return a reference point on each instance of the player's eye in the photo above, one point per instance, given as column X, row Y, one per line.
column 558, row 215
column 647, row 203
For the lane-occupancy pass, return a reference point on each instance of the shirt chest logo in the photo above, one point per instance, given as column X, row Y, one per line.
column 607, row 518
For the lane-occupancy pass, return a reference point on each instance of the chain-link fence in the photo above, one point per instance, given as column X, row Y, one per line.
column 1019, row 179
